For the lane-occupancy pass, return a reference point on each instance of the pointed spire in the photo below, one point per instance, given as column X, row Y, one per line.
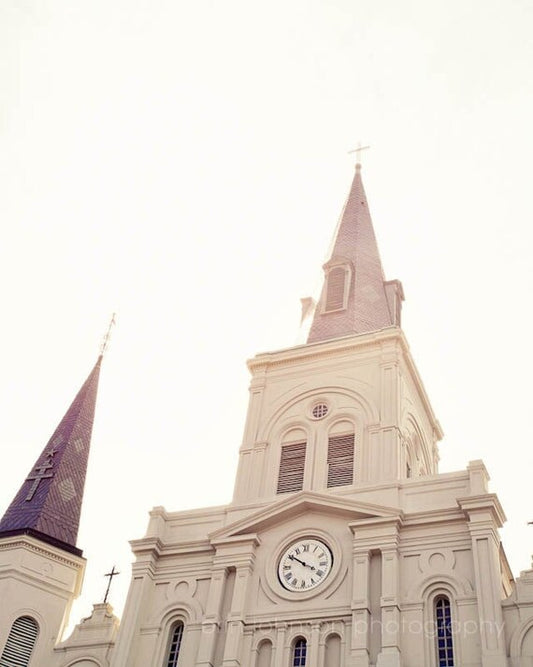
column 48, row 504
column 355, row 298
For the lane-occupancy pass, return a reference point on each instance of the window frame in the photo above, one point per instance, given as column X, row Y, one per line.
column 283, row 464
column 13, row 639
column 329, row 269
column 173, row 660
column 339, row 460
column 446, row 641
column 296, row 660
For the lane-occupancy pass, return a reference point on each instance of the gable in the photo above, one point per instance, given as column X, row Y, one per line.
column 299, row 504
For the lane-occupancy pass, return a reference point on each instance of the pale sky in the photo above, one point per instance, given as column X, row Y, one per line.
column 184, row 164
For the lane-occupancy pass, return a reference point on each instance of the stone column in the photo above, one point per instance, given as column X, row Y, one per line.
column 279, row 654
column 235, row 626
column 211, row 620
column 236, row 552
column 360, row 607
column 312, row 659
column 390, row 609
column 147, row 552
column 485, row 517
column 377, row 533
column 390, row 410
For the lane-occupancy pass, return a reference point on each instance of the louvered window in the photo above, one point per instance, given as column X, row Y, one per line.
column 291, row 467
column 20, row 643
column 299, row 653
column 340, row 459
column 175, row 644
column 335, row 289
column 444, row 638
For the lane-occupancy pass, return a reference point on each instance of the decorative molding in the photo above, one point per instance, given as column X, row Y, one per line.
column 35, row 546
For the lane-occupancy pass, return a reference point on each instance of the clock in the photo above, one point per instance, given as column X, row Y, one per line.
column 305, row 564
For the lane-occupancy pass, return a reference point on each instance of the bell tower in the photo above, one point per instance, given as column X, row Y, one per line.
column 348, row 407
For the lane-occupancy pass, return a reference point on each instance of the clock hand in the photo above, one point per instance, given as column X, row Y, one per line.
column 291, row 557
column 302, row 562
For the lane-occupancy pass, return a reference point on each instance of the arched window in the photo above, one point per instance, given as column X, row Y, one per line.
column 176, row 636
column 292, row 462
column 299, row 653
column 444, row 638
column 335, row 288
column 340, row 458
column 20, row 642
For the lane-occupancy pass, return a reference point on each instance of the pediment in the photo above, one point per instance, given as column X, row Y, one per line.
column 302, row 503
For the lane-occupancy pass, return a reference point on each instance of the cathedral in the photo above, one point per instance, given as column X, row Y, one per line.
column 343, row 545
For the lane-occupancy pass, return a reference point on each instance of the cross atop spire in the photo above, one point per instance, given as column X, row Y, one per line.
column 358, row 151
column 355, row 298
column 107, row 337
column 48, row 504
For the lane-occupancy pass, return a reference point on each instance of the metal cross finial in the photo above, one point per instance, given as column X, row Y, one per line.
column 111, row 574
column 358, row 150
column 107, row 337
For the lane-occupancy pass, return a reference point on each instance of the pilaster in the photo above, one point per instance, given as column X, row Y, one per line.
column 361, row 619
column 382, row 534
column 239, row 553
column 485, row 516
column 211, row 620
column 279, row 651
column 314, row 646
column 147, row 551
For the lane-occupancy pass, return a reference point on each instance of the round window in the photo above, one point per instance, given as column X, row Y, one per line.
column 319, row 410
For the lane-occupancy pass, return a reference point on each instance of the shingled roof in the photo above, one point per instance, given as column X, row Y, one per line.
column 371, row 303
column 48, row 504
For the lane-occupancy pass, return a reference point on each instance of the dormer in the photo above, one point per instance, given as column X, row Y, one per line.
column 338, row 276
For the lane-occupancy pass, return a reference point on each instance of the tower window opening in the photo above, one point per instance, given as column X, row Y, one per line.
column 299, row 653
column 292, row 467
column 335, row 288
column 340, row 459
column 175, row 645
column 20, row 643
column 444, row 638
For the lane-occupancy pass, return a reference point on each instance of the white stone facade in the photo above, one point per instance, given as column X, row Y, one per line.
column 383, row 562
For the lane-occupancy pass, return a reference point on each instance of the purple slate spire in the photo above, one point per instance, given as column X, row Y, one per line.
column 355, row 298
column 48, row 504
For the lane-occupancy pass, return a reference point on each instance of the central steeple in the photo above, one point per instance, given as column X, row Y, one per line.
column 348, row 408
column 355, row 297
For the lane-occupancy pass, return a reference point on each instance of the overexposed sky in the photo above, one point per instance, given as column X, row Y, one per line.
column 184, row 164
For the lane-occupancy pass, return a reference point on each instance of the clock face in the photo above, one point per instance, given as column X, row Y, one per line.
column 304, row 565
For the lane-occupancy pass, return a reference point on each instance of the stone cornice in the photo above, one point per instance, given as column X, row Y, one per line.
column 323, row 349
column 474, row 506
column 43, row 549
column 347, row 344
column 156, row 546
column 251, row 540
column 318, row 614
